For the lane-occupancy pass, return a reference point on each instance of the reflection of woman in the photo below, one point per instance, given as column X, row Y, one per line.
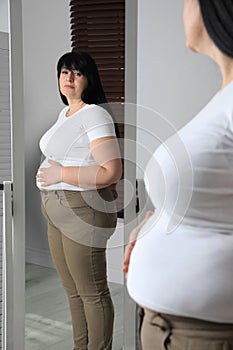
column 82, row 162
column 183, row 280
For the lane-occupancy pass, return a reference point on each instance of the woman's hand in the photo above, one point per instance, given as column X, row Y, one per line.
column 51, row 175
column 132, row 241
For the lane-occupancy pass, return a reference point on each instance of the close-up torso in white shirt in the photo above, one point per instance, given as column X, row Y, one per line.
column 187, row 271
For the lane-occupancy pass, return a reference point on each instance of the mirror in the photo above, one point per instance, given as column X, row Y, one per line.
column 48, row 321
column 45, row 37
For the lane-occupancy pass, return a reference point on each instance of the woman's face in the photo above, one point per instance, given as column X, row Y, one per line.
column 193, row 25
column 72, row 83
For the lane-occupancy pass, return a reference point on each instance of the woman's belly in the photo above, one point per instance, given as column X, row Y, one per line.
column 186, row 273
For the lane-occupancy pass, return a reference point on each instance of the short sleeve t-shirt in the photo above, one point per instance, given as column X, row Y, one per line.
column 68, row 140
column 187, row 271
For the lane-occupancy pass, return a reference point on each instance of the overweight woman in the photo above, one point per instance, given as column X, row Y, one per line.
column 183, row 277
column 77, row 179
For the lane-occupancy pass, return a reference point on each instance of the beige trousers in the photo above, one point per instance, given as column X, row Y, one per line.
column 166, row 332
column 82, row 268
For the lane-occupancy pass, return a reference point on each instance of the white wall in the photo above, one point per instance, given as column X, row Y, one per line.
column 4, row 25
column 46, row 36
column 171, row 80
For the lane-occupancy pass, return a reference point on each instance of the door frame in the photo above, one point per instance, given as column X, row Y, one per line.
column 18, row 172
column 130, row 134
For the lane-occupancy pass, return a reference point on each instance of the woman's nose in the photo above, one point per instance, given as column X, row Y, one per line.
column 70, row 76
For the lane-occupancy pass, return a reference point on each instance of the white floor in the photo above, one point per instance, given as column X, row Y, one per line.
column 48, row 324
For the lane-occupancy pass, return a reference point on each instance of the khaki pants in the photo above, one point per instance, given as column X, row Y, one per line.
column 166, row 332
column 82, row 269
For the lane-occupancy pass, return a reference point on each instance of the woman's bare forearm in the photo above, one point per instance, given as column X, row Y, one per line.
column 93, row 176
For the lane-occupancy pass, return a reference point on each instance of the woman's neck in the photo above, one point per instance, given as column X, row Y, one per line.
column 225, row 64
column 227, row 75
column 75, row 106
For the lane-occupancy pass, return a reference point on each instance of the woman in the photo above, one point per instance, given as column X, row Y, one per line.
column 82, row 163
column 183, row 278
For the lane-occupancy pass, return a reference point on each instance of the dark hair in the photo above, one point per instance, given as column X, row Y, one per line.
column 83, row 62
column 218, row 19
column 94, row 92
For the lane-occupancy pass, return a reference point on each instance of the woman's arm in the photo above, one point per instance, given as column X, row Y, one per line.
column 108, row 169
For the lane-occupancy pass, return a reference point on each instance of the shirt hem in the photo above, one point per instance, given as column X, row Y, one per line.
column 146, row 304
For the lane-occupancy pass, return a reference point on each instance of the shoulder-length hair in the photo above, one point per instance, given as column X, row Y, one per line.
column 85, row 64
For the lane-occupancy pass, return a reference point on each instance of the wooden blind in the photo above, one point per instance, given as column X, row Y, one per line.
column 98, row 28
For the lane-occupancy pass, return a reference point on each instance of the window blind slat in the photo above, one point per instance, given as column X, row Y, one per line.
column 99, row 16
column 92, row 6
column 99, row 51
column 98, row 38
column 103, row 27
column 108, row 80
column 98, row 20
column 103, row 61
column 104, row 7
column 92, row 2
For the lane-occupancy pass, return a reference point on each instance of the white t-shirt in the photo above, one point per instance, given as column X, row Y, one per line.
column 186, row 269
column 67, row 141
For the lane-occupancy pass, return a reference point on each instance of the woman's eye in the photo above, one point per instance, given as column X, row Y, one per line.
column 78, row 74
column 75, row 73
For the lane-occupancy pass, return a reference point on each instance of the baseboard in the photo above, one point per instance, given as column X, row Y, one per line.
column 43, row 258
column 40, row 257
